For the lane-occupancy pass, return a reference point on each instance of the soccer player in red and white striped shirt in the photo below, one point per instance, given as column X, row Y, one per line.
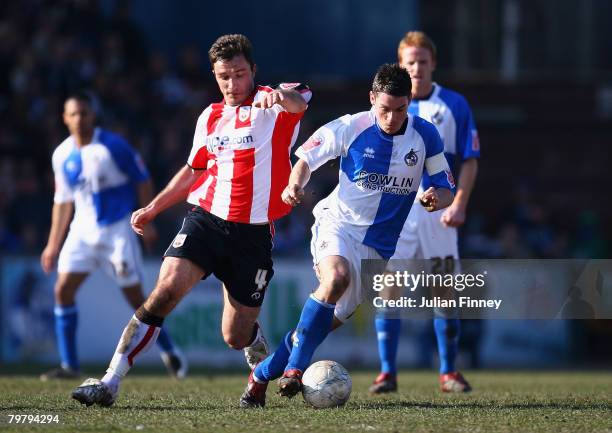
column 234, row 177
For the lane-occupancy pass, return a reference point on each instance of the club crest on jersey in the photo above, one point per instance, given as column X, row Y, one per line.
column 244, row 113
column 437, row 118
column 311, row 143
column 450, row 178
column 411, row 158
column 72, row 170
column 179, row 240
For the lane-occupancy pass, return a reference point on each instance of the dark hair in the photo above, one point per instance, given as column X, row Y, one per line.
column 230, row 46
column 393, row 80
column 81, row 96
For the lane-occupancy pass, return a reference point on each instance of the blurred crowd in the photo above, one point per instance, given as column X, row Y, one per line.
column 49, row 49
column 528, row 228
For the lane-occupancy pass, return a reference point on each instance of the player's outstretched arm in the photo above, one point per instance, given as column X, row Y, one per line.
column 454, row 215
column 436, row 198
column 175, row 192
column 300, row 175
column 290, row 99
column 60, row 220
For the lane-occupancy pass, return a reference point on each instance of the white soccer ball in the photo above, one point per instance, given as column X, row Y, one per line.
column 326, row 384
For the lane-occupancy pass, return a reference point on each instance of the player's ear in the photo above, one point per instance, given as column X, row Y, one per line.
column 372, row 97
column 254, row 69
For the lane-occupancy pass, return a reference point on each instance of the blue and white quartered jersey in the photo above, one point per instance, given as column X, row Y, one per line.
column 379, row 174
column 451, row 115
column 99, row 177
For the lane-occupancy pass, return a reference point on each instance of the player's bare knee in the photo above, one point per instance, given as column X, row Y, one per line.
column 336, row 323
column 334, row 283
column 63, row 293
column 236, row 341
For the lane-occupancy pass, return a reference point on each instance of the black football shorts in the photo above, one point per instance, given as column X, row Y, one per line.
column 240, row 255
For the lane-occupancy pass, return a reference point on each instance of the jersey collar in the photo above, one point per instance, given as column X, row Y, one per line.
column 434, row 91
column 386, row 136
column 247, row 101
column 95, row 138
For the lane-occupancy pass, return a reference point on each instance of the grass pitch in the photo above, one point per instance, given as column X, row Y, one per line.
column 502, row 402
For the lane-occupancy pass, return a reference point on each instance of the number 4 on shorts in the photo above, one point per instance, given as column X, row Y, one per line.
column 260, row 278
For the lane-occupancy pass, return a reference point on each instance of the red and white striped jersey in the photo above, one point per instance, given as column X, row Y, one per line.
column 245, row 152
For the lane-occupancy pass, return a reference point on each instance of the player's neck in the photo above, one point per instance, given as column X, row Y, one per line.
column 246, row 101
column 83, row 139
column 423, row 92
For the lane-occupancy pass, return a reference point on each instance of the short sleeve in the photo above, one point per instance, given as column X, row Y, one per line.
column 467, row 135
column 198, row 157
column 436, row 164
column 440, row 174
column 301, row 88
column 126, row 158
column 443, row 179
column 327, row 143
column 63, row 192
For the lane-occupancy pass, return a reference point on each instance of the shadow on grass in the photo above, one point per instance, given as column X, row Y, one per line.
column 399, row 404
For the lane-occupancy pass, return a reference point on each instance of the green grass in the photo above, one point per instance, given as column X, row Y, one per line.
column 502, row 402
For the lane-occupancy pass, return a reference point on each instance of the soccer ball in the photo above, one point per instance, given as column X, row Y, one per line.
column 326, row 384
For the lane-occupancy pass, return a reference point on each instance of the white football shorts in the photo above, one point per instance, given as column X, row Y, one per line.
column 330, row 239
column 424, row 236
column 114, row 248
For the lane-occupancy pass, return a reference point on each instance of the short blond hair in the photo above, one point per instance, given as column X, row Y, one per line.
column 416, row 39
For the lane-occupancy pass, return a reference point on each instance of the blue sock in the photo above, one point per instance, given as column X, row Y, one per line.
column 273, row 366
column 164, row 342
column 387, row 333
column 447, row 334
column 66, row 320
column 314, row 325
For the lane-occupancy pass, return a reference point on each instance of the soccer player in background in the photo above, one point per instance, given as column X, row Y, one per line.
column 433, row 235
column 100, row 178
column 234, row 177
column 361, row 219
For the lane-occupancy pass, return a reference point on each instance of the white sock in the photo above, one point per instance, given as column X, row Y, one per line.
column 111, row 380
column 137, row 338
column 258, row 335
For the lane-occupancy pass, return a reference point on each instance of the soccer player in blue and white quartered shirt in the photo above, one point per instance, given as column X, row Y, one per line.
column 102, row 179
column 383, row 154
column 433, row 235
